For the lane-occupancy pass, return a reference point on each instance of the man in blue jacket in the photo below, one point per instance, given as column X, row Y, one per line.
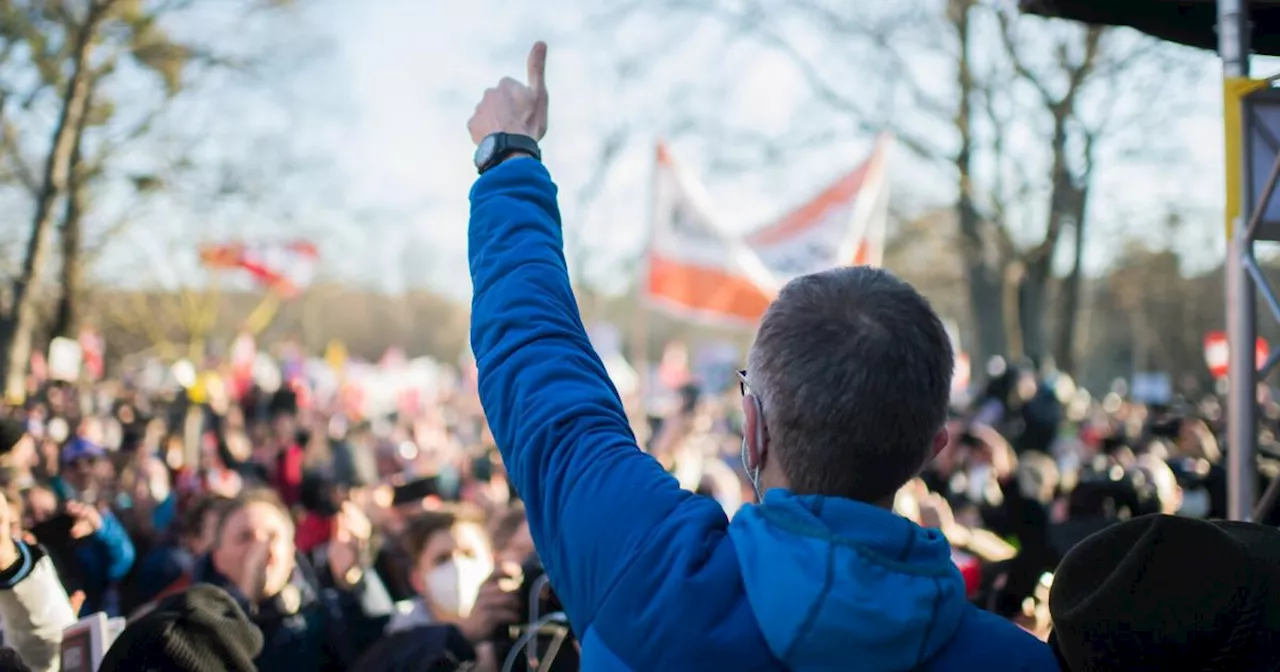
column 846, row 396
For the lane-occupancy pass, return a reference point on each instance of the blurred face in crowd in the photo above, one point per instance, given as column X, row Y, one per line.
column 40, row 505
column 259, row 432
column 55, row 397
column 152, row 483
column 285, row 428
column 255, row 526
column 449, row 571
column 80, row 473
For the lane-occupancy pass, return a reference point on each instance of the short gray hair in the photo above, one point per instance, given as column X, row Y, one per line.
column 853, row 369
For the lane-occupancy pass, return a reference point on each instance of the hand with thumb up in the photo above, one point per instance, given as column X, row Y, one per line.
column 515, row 107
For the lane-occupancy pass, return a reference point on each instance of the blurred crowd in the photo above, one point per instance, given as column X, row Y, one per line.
column 395, row 542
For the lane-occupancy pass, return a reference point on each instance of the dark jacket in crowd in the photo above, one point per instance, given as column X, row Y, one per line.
column 654, row 577
column 159, row 568
column 93, row 564
column 307, row 627
column 427, row 648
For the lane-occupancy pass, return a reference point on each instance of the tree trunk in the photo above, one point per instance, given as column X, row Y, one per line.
column 67, row 318
column 985, row 278
column 1071, row 288
column 53, row 185
column 1033, row 295
column 1033, row 291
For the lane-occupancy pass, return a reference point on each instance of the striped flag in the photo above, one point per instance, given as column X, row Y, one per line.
column 844, row 225
column 696, row 268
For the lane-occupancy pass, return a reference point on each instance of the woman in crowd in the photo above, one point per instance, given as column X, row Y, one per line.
column 454, row 575
column 462, row 604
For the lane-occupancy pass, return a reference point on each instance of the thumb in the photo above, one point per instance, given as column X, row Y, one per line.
column 537, row 67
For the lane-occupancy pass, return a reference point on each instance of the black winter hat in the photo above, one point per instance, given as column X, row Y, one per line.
column 11, row 432
column 283, row 402
column 201, row 629
column 1169, row 593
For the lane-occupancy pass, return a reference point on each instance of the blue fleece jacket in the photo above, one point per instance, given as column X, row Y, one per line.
column 654, row 577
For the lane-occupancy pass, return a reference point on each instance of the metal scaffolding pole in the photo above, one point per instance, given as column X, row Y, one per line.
column 1242, row 432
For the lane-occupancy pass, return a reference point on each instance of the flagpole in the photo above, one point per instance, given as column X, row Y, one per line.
column 640, row 336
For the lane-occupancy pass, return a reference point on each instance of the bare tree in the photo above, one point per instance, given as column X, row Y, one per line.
column 73, row 57
column 1004, row 79
column 83, row 35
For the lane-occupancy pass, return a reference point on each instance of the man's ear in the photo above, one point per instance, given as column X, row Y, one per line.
column 940, row 441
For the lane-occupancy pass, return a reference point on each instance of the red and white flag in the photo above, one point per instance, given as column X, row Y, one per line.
column 1217, row 353
column 844, row 225
column 287, row 267
column 696, row 268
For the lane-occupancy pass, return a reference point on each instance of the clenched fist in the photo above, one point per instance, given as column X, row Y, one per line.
column 513, row 107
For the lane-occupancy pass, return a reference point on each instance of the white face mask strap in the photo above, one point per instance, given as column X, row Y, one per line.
column 753, row 473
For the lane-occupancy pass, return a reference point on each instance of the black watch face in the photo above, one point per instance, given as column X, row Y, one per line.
column 484, row 152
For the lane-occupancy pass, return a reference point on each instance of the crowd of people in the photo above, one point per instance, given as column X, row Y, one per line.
column 333, row 536
column 829, row 507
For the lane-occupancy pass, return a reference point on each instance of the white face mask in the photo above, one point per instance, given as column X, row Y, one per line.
column 454, row 585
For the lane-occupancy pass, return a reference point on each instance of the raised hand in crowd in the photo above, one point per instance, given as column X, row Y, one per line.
column 936, row 513
column 251, row 581
column 515, row 107
column 348, row 550
column 87, row 519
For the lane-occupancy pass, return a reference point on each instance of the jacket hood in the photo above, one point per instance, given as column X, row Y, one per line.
column 835, row 583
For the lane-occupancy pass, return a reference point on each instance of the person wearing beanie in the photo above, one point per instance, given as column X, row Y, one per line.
column 1162, row 592
column 10, row 661
column 17, row 452
column 201, row 629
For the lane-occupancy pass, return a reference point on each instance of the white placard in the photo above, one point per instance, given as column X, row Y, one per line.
column 65, row 358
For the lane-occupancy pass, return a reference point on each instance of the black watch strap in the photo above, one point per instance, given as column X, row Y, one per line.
column 503, row 146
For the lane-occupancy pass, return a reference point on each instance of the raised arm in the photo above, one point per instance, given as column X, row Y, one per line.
column 595, row 502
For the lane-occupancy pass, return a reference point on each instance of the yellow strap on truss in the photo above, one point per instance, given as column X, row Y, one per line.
column 1234, row 91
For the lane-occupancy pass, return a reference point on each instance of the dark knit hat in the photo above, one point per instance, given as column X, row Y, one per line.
column 11, row 432
column 283, row 402
column 1163, row 593
column 201, row 629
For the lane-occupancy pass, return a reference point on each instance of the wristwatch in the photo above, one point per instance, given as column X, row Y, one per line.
column 496, row 147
